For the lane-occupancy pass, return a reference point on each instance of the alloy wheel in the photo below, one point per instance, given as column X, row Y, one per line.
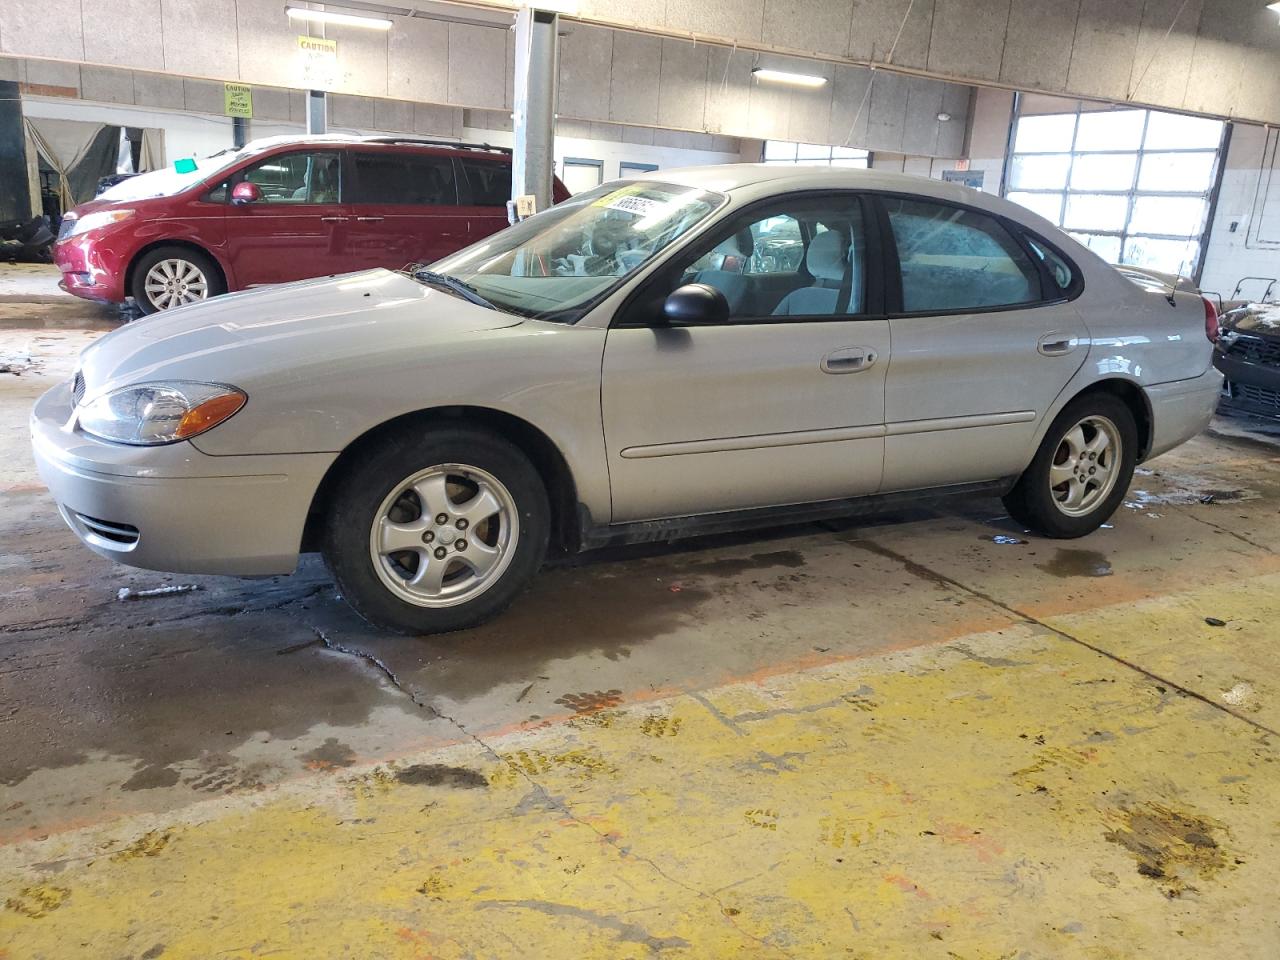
column 444, row 535
column 172, row 283
column 1085, row 466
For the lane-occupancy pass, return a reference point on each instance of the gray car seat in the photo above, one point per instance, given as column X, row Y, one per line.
column 735, row 287
column 827, row 260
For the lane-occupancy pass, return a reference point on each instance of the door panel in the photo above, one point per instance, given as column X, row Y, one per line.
column 706, row 419
column 404, row 208
column 298, row 229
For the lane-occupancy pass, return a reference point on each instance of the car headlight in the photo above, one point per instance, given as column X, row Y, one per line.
column 155, row 413
column 99, row 218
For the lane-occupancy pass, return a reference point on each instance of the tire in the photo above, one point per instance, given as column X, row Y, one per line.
column 169, row 277
column 1073, row 508
column 378, row 535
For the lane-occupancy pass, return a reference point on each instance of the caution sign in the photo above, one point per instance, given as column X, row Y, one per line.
column 318, row 63
column 237, row 100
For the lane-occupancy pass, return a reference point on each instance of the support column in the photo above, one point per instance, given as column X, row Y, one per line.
column 317, row 112
column 239, row 131
column 536, row 75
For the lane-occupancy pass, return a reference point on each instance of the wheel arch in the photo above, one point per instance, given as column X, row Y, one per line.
column 173, row 242
column 541, row 450
column 1135, row 398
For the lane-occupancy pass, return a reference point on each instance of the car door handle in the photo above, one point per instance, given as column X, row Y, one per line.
column 334, row 219
column 848, row 360
column 1057, row 344
column 370, row 219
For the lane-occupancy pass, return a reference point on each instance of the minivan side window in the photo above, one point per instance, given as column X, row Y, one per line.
column 489, row 183
column 404, row 178
column 297, row 177
column 955, row 260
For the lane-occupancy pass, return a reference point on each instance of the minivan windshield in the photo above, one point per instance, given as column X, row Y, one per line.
column 560, row 263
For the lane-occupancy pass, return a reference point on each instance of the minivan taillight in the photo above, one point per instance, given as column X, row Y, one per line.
column 1210, row 320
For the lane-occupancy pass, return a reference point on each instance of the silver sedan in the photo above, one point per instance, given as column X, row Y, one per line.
column 706, row 350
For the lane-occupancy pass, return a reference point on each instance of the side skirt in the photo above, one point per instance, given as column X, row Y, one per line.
column 596, row 535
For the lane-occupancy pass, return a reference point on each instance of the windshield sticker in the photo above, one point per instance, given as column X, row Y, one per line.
column 640, row 206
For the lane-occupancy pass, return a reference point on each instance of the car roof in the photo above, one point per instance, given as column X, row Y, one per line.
column 377, row 140
column 726, row 178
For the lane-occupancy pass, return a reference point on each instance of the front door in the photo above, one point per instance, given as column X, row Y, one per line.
column 984, row 342
column 782, row 404
column 298, row 228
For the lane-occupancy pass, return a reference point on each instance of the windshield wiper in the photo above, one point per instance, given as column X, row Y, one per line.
column 465, row 290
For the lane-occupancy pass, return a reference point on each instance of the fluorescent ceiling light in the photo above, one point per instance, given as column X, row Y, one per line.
column 1274, row 7
column 346, row 19
column 782, row 76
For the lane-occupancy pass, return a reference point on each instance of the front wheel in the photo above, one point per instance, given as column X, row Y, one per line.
column 436, row 530
column 1081, row 471
column 169, row 277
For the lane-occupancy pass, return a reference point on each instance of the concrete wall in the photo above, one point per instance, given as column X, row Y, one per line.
column 606, row 75
column 1214, row 56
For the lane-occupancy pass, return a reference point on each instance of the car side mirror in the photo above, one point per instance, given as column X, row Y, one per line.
column 696, row 303
column 245, row 192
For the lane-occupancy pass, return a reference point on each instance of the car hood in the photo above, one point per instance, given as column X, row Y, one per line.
column 286, row 332
column 1255, row 319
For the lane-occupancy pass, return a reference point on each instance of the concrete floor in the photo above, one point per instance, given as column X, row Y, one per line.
column 894, row 738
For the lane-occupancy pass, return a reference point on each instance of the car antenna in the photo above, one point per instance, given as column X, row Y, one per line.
column 1173, row 284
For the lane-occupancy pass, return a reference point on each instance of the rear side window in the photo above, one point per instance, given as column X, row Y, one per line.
column 955, row 260
column 297, row 177
column 404, row 178
column 1059, row 269
column 489, row 184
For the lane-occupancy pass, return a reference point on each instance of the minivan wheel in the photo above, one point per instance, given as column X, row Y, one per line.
column 436, row 531
column 169, row 277
column 1082, row 470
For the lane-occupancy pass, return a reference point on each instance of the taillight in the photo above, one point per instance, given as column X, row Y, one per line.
column 1210, row 320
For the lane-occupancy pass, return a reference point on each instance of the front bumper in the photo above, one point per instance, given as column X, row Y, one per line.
column 90, row 267
column 172, row 507
column 1182, row 409
column 1253, row 387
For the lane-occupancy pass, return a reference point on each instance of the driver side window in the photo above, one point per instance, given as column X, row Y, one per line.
column 297, row 178
column 796, row 259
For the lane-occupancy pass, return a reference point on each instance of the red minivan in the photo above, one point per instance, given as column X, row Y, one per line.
column 283, row 208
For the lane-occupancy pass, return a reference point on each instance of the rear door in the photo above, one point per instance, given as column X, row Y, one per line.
column 404, row 207
column 298, row 228
column 484, row 187
column 782, row 404
column 985, row 337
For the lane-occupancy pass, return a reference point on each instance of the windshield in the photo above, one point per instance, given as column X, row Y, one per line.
column 167, row 182
column 558, row 264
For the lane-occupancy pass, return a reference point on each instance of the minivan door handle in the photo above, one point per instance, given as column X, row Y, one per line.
column 1057, row 344
column 370, row 219
column 848, row 360
column 334, row 219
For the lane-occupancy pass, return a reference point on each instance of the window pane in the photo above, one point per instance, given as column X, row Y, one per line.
column 1048, row 205
column 1062, row 273
column 1087, row 211
column 1171, row 256
column 849, row 162
column 1110, row 130
column 490, row 183
column 812, row 151
column 1108, row 248
column 1190, row 172
column 848, row 152
column 1047, row 134
column 779, row 150
column 404, row 178
column 1169, row 131
column 297, row 178
column 1103, row 171
column 1179, row 216
column 1039, row 171
column 957, row 260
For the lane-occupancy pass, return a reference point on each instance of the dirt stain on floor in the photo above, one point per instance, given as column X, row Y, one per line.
column 441, row 775
column 151, row 777
column 330, row 755
column 1077, row 563
column 1174, row 849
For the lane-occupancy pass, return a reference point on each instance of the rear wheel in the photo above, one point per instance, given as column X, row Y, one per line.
column 437, row 531
column 169, row 277
column 1081, row 471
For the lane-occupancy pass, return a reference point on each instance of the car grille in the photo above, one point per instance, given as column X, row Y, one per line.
column 1260, row 396
column 123, row 534
column 77, row 388
column 1254, row 350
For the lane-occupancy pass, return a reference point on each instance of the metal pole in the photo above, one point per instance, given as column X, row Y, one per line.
column 536, row 73
column 239, row 131
column 317, row 112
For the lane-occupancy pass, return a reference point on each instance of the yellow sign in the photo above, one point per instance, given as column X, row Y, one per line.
column 318, row 63
column 237, row 100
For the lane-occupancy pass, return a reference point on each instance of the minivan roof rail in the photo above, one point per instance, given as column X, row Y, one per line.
column 434, row 142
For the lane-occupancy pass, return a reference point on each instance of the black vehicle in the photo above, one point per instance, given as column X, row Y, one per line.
column 1248, row 354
